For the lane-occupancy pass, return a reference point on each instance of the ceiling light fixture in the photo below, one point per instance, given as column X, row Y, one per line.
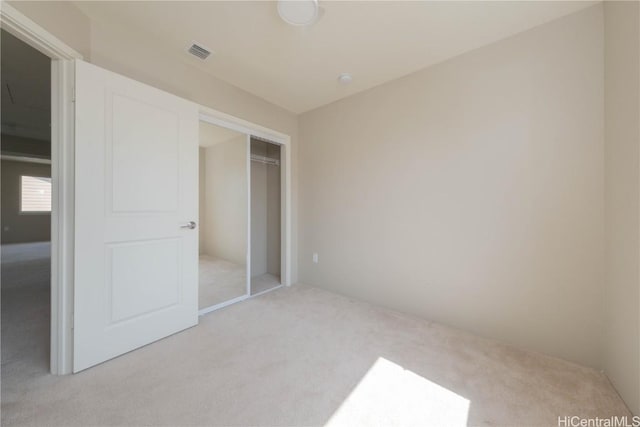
column 298, row 12
column 345, row 78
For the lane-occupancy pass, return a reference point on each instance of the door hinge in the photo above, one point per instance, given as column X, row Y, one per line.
column 73, row 94
column 73, row 321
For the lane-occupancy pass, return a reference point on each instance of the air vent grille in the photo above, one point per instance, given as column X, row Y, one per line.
column 199, row 51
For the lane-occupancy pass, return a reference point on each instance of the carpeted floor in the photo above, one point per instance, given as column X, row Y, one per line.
column 302, row 356
column 25, row 307
column 264, row 282
column 220, row 281
column 25, row 265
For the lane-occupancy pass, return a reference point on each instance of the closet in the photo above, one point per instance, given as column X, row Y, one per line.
column 265, row 215
column 239, row 217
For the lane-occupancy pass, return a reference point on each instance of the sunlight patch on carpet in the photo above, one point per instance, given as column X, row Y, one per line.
column 390, row 395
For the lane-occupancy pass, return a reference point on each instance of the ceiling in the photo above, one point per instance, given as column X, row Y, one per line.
column 212, row 135
column 26, row 90
column 297, row 67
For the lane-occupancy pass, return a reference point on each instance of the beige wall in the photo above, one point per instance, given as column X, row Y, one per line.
column 62, row 19
column 226, row 201
column 16, row 227
column 135, row 55
column 19, row 146
column 470, row 193
column 622, row 180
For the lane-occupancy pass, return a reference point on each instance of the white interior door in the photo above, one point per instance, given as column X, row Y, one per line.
column 136, row 183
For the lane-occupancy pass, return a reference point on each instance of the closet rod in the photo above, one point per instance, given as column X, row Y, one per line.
column 265, row 160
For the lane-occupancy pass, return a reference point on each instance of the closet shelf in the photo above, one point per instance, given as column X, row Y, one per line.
column 264, row 159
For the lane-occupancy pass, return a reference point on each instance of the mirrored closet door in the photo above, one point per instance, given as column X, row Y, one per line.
column 240, row 218
column 224, row 216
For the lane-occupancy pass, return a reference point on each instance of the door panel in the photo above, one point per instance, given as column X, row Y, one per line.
column 136, row 268
column 144, row 278
column 147, row 135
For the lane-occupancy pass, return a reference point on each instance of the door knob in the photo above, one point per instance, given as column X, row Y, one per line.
column 190, row 225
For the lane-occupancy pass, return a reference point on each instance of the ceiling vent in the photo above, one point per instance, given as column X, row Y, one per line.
column 199, row 51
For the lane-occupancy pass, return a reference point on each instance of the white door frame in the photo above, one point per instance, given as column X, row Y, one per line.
column 218, row 118
column 62, row 176
column 62, row 204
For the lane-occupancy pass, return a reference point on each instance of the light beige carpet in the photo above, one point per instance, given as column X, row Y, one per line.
column 25, row 307
column 220, row 281
column 302, row 356
column 264, row 282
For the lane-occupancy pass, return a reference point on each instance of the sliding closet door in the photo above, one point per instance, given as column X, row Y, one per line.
column 224, row 195
column 136, row 182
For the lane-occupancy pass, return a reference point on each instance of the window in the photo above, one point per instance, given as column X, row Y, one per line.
column 35, row 194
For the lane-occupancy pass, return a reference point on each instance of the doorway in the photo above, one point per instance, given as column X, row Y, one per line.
column 26, row 199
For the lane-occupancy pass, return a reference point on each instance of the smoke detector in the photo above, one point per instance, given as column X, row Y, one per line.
column 298, row 12
column 199, row 51
column 345, row 78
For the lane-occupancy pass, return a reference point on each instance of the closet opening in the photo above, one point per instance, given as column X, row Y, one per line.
column 223, row 217
column 265, row 215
